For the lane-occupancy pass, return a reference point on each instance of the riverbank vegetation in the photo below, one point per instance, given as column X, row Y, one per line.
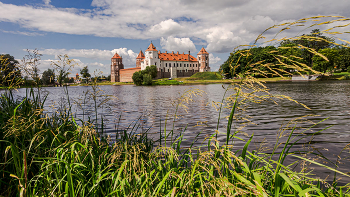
column 326, row 57
column 56, row 154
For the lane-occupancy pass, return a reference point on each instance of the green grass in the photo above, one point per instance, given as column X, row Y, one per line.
column 206, row 76
column 166, row 82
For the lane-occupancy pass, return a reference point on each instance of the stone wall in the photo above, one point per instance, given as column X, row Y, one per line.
column 126, row 74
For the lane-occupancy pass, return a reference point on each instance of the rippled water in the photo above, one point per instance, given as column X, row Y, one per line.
column 156, row 104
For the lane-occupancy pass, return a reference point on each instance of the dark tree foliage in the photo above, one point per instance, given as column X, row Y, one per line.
column 239, row 61
column 85, row 72
column 315, row 40
column 144, row 77
column 343, row 61
column 137, row 78
column 10, row 74
column 48, row 77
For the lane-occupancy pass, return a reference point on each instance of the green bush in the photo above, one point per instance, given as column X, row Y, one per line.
column 137, row 78
column 348, row 69
column 147, row 80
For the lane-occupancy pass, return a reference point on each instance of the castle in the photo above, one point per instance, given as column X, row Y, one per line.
column 169, row 65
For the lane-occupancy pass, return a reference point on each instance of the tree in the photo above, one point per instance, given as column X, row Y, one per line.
column 85, row 72
column 343, row 61
column 315, row 40
column 63, row 66
column 10, row 74
column 137, row 78
column 151, row 70
column 147, row 79
column 145, row 76
column 321, row 63
column 30, row 64
column 48, row 77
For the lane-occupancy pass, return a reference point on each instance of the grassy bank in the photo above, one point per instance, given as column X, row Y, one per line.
column 53, row 155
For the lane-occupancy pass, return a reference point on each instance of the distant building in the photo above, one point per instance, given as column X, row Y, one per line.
column 169, row 65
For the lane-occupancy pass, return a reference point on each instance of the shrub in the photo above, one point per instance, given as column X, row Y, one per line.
column 137, row 78
column 348, row 69
column 147, row 79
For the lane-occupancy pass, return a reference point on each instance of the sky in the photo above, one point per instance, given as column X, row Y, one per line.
column 91, row 31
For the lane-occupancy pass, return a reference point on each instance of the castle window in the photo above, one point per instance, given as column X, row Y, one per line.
column 190, row 65
column 166, row 64
column 180, row 64
column 155, row 63
column 177, row 64
column 186, row 70
column 199, row 58
column 168, row 70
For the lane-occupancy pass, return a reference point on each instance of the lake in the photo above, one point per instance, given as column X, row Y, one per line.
column 121, row 105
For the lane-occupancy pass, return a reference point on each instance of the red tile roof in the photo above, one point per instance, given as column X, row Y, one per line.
column 116, row 56
column 141, row 55
column 151, row 47
column 176, row 57
column 202, row 51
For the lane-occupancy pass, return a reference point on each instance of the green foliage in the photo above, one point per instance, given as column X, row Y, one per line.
column 167, row 82
column 85, row 72
column 151, row 70
column 327, row 62
column 206, row 76
column 144, row 77
column 62, row 67
column 10, row 74
column 137, row 78
column 348, row 69
column 147, row 80
column 48, row 77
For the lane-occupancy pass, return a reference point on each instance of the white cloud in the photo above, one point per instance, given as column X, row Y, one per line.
column 177, row 44
column 47, row 2
column 213, row 60
column 221, row 40
column 221, row 24
column 168, row 27
column 22, row 33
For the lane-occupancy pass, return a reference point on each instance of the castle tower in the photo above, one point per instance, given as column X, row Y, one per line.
column 116, row 65
column 139, row 59
column 151, row 57
column 203, row 59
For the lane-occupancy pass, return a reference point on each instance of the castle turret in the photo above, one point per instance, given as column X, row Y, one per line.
column 139, row 59
column 116, row 65
column 151, row 57
column 203, row 59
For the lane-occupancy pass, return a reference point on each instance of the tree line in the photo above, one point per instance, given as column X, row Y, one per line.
column 318, row 52
column 13, row 73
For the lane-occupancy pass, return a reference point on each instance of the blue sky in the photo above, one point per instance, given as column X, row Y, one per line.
column 92, row 31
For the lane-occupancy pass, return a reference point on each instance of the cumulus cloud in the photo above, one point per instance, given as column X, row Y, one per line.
column 221, row 24
column 213, row 60
column 177, row 44
column 221, row 40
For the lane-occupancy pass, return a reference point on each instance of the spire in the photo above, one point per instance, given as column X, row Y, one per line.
column 151, row 47
column 202, row 51
column 141, row 55
column 116, row 56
